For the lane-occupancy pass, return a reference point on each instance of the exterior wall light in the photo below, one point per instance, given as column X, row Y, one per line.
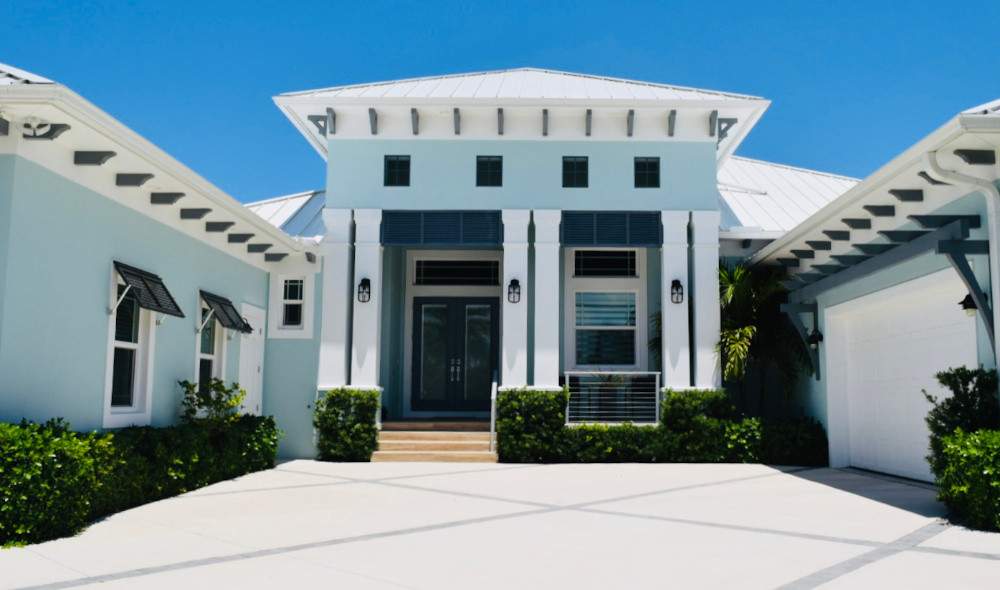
column 969, row 305
column 676, row 292
column 514, row 291
column 364, row 291
column 815, row 337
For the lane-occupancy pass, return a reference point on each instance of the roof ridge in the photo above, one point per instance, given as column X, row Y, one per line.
column 523, row 69
column 796, row 168
column 284, row 197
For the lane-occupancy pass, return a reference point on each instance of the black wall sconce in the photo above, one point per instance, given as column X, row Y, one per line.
column 364, row 291
column 969, row 305
column 814, row 339
column 676, row 292
column 514, row 291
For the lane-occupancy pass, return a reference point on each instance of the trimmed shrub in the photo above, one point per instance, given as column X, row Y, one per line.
column 969, row 478
column 794, row 441
column 973, row 406
column 602, row 443
column 48, row 478
column 345, row 421
column 54, row 481
column 530, row 425
column 695, row 425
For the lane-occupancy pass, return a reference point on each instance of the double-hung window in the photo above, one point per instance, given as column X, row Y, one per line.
column 210, row 346
column 293, row 296
column 127, row 364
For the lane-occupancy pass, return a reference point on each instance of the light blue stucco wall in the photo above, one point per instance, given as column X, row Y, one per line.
column 443, row 175
column 6, row 199
column 811, row 392
column 54, row 325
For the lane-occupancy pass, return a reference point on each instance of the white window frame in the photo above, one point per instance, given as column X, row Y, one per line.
column 636, row 285
column 286, row 301
column 140, row 412
column 221, row 339
column 276, row 306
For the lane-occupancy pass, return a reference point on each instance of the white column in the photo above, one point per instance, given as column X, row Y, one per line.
column 514, row 336
column 546, row 298
column 334, row 347
column 367, row 315
column 707, row 318
column 675, row 348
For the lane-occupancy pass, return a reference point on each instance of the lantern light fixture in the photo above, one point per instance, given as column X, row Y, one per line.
column 514, row 291
column 364, row 290
column 676, row 292
column 969, row 305
column 814, row 339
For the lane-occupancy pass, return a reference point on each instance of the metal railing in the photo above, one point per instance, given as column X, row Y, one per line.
column 613, row 396
column 493, row 414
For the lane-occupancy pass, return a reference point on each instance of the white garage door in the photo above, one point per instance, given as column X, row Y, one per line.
column 886, row 348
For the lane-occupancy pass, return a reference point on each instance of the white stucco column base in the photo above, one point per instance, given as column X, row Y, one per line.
column 368, row 315
column 707, row 317
column 675, row 322
column 514, row 330
column 334, row 347
column 546, row 298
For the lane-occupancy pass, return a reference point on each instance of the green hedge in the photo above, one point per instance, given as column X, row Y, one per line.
column 969, row 477
column 54, row 481
column 345, row 421
column 697, row 426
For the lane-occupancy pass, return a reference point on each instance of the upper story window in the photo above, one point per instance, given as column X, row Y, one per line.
column 604, row 263
column 293, row 296
column 397, row 171
column 647, row 173
column 575, row 172
column 127, row 370
column 489, row 170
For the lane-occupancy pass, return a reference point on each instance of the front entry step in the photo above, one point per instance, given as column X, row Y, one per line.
column 438, row 425
column 456, row 446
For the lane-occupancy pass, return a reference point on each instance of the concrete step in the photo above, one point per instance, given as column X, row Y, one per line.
column 435, row 456
column 442, row 435
column 434, row 445
column 448, row 425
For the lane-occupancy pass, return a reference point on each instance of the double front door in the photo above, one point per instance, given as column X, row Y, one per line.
column 455, row 352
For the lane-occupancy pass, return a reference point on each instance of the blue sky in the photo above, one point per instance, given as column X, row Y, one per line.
column 852, row 83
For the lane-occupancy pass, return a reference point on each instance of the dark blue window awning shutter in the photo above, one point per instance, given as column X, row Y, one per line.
column 612, row 228
column 441, row 228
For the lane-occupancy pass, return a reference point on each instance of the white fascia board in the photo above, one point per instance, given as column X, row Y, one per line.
column 305, row 127
column 915, row 153
column 743, row 129
column 81, row 109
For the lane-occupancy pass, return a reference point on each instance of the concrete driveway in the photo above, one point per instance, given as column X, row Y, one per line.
column 440, row 526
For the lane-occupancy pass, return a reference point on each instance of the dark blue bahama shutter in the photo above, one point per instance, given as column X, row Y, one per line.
column 441, row 228
column 611, row 228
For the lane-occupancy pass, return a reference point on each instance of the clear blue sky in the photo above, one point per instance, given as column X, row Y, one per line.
column 852, row 83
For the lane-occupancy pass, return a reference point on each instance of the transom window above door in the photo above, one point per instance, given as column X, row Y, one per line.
column 604, row 263
column 484, row 273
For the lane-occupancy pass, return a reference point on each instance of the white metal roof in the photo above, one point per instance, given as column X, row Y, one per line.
column 770, row 198
column 299, row 214
column 520, row 83
column 10, row 75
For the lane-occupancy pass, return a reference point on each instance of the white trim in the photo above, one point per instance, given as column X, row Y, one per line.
column 413, row 290
column 276, row 302
column 573, row 285
column 140, row 413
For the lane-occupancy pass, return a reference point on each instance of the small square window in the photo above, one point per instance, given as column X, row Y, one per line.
column 647, row 173
column 575, row 173
column 397, row 171
column 489, row 170
column 292, row 315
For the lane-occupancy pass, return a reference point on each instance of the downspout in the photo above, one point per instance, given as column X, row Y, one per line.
column 992, row 205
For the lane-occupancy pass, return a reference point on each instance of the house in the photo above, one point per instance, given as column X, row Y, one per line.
column 123, row 272
column 507, row 229
column 893, row 281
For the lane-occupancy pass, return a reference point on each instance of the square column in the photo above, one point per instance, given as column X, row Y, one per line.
column 547, row 298
column 514, row 331
column 707, row 316
column 334, row 345
column 675, row 348
column 367, row 315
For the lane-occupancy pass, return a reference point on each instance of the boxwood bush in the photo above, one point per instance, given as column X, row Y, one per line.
column 969, row 477
column 696, row 426
column 345, row 422
column 53, row 481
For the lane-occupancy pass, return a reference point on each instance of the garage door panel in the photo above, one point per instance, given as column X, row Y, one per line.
column 895, row 341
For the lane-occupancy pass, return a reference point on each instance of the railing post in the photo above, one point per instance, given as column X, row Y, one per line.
column 657, row 397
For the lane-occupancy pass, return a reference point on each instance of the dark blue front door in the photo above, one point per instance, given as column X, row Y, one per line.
column 455, row 352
